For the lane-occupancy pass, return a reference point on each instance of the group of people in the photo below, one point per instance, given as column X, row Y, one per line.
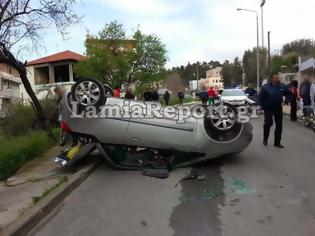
column 303, row 96
column 128, row 95
column 208, row 96
column 149, row 95
column 271, row 100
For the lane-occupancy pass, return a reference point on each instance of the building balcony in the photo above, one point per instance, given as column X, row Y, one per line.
column 9, row 77
column 10, row 93
column 51, row 86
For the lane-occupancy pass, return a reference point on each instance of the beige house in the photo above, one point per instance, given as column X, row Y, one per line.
column 48, row 72
column 214, row 79
column 10, row 83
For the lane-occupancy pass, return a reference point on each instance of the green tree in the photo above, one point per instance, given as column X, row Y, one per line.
column 288, row 61
column 237, row 71
column 250, row 65
column 115, row 59
column 227, row 73
column 302, row 47
column 232, row 72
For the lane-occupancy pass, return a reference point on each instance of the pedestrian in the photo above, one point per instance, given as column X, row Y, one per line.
column 203, row 95
column 211, row 96
column 270, row 100
column 181, row 97
column 117, row 92
column 294, row 100
column 60, row 92
column 305, row 92
column 251, row 93
column 155, row 95
column 167, row 97
column 129, row 95
column 312, row 93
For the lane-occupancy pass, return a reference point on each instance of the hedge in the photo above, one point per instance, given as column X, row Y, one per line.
column 16, row 151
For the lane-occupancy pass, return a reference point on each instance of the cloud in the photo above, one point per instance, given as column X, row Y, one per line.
column 143, row 8
column 197, row 29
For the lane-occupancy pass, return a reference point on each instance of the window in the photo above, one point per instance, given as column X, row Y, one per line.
column 6, row 84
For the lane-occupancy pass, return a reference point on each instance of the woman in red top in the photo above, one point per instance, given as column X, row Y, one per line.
column 211, row 95
column 117, row 92
column 295, row 98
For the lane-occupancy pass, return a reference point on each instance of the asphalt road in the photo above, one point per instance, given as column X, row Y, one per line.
column 263, row 191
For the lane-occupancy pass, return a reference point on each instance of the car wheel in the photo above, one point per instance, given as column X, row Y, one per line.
column 88, row 92
column 221, row 123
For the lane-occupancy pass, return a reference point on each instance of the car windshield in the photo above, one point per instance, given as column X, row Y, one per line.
column 233, row 93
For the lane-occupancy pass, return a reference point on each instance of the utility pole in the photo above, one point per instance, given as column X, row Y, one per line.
column 258, row 48
column 257, row 55
column 263, row 2
column 269, row 54
column 197, row 74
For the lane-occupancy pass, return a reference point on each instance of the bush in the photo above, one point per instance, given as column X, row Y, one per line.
column 174, row 100
column 16, row 151
column 22, row 118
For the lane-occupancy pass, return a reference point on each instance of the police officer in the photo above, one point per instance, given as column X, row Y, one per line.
column 270, row 100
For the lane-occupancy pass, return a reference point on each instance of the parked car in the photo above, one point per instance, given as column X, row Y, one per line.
column 236, row 97
column 169, row 142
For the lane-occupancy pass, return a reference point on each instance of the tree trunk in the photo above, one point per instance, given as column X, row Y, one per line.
column 7, row 57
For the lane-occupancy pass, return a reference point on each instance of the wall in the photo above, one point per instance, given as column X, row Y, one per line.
column 8, row 69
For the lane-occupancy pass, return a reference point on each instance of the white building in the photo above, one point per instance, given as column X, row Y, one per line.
column 48, row 72
column 306, row 65
column 9, row 88
column 214, row 79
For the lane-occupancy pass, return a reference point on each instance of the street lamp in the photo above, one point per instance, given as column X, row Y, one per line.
column 257, row 50
column 263, row 2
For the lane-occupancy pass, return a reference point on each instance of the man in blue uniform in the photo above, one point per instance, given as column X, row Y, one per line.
column 270, row 100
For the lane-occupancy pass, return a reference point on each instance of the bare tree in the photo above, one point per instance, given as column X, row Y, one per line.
column 21, row 21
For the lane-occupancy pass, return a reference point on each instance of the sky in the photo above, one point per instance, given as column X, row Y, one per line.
column 192, row 30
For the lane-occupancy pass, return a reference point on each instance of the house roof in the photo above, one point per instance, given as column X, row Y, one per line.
column 61, row 56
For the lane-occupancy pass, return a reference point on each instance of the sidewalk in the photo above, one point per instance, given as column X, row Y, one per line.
column 32, row 184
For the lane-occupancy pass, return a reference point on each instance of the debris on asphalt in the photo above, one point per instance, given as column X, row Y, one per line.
column 156, row 173
column 194, row 174
column 201, row 177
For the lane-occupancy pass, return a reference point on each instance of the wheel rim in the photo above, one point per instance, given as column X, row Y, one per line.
column 87, row 93
column 223, row 118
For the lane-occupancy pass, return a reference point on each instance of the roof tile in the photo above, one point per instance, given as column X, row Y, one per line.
column 61, row 56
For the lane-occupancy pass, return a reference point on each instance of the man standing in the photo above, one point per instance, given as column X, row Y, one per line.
column 203, row 94
column 167, row 97
column 181, row 97
column 270, row 100
column 312, row 93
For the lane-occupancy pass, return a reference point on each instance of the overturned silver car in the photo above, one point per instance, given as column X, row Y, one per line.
column 132, row 134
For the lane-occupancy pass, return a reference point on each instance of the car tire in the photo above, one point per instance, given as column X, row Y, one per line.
column 222, row 129
column 88, row 92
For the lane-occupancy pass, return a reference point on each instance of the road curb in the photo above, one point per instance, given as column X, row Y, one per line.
column 32, row 216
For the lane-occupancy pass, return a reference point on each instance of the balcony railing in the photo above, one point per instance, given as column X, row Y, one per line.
column 10, row 93
column 43, row 87
column 10, row 77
